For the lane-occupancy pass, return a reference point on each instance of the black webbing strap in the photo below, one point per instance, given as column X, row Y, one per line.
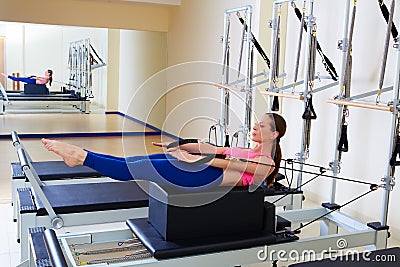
column 396, row 152
column 275, row 104
column 182, row 142
column 309, row 112
column 385, row 13
column 275, row 67
column 296, row 69
column 207, row 158
column 343, row 145
column 256, row 44
column 325, row 60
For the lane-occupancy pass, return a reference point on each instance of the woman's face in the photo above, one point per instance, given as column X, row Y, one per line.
column 262, row 131
column 47, row 74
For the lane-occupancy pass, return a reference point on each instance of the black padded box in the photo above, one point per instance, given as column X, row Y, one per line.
column 172, row 214
column 35, row 89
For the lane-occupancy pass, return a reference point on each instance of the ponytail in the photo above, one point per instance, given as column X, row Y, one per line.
column 51, row 76
column 279, row 125
column 277, row 159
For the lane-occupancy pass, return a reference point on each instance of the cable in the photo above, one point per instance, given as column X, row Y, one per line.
column 294, row 190
column 316, row 219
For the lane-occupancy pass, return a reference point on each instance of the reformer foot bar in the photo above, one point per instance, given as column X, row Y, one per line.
column 91, row 203
column 49, row 172
column 216, row 234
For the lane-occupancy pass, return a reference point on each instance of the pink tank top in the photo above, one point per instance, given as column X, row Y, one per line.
column 247, row 178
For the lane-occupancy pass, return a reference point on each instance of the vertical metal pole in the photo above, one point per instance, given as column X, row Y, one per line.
column 389, row 177
column 248, row 83
column 223, row 122
column 274, row 26
column 310, row 24
column 344, row 48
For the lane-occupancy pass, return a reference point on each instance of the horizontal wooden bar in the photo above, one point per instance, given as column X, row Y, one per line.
column 361, row 104
column 293, row 96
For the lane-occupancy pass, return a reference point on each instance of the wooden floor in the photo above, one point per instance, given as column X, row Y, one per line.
column 70, row 123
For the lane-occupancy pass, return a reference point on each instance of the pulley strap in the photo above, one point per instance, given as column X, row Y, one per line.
column 385, row 52
column 309, row 112
column 343, row 145
column 325, row 60
column 182, row 142
column 275, row 104
column 396, row 152
column 257, row 44
column 385, row 13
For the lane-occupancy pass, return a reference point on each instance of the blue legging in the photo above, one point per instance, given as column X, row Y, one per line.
column 159, row 168
column 22, row 79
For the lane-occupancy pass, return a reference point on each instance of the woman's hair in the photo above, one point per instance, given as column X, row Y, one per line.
column 278, row 124
column 51, row 76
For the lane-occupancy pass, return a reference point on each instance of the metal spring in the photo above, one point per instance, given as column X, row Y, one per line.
column 141, row 254
column 110, row 250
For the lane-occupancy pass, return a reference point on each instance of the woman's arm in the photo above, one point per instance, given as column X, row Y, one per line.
column 260, row 167
column 203, row 148
column 195, row 148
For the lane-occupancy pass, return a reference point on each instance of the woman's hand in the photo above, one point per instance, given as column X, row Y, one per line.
column 184, row 156
column 163, row 144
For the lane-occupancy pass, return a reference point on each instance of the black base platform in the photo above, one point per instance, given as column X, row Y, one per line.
column 161, row 249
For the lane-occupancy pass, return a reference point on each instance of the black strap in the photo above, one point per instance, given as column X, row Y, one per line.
column 343, row 142
column 275, row 104
column 257, row 44
column 385, row 13
column 309, row 112
column 226, row 141
column 396, row 152
column 207, row 158
column 182, row 142
column 325, row 60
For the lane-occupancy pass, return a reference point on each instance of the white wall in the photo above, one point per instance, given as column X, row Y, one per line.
column 195, row 32
column 141, row 95
column 368, row 130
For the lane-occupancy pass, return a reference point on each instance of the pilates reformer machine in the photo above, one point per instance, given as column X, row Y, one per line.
column 78, row 196
column 224, row 232
column 36, row 97
column 74, row 96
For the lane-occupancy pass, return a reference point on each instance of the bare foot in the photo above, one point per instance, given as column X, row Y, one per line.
column 71, row 154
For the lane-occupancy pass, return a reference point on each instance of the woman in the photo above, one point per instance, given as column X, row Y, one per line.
column 175, row 167
column 48, row 78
